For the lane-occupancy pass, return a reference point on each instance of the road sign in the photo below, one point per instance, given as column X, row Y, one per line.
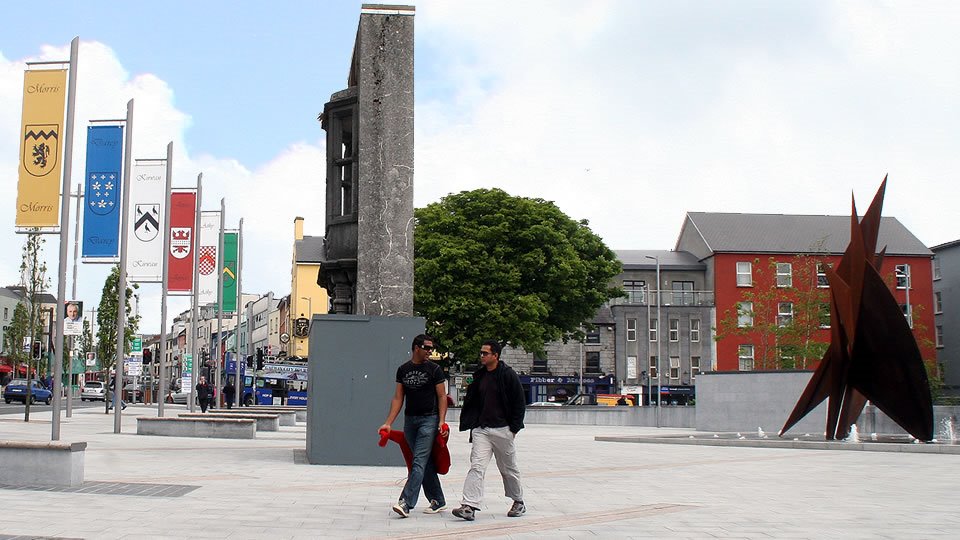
column 137, row 345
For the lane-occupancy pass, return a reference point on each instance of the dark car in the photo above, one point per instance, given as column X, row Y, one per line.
column 16, row 390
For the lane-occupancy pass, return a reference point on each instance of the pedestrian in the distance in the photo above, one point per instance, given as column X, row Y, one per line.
column 203, row 394
column 229, row 393
column 493, row 411
column 420, row 384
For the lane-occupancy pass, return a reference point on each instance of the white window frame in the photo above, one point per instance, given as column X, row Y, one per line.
column 694, row 368
column 631, row 329
column 744, row 314
column 653, row 368
column 904, row 271
column 822, row 281
column 784, row 313
column 694, row 330
column 937, row 302
column 938, row 336
column 936, row 267
column 674, row 330
column 744, row 274
column 784, row 275
column 675, row 368
column 745, row 355
column 654, row 330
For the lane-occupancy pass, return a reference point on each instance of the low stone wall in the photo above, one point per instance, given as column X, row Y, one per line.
column 265, row 422
column 287, row 418
column 28, row 463
column 215, row 428
column 299, row 414
column 593, row 415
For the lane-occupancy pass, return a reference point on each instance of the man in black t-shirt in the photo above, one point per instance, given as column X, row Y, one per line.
column 420, row 383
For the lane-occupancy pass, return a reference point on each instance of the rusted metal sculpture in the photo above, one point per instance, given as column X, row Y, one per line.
column 872, row 354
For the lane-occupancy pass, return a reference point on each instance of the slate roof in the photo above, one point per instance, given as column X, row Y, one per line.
column 309, row 250
column 784, row 233
column 636, row 259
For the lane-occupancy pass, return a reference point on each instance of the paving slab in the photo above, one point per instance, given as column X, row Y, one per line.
column 576, row 486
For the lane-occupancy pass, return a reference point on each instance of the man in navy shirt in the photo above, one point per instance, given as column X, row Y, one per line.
column 421, row 383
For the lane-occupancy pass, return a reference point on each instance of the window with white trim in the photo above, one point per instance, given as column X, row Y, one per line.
column 674, row 367
column 694, row 330
column 822, row 281
column 902, row 272
column 784, row 313
column 653, row 367
column 938, row 336
column 631, row 329
column 744, row 314
column 784, row 275
column 636, row 291
column 674, row 331
column 937, row 302
column 936, row 267
column 744, row 274
column 745, row 354
column 654, row 326
column 694, row 367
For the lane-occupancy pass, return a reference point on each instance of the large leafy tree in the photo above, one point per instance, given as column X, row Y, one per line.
column 34, row 280
column 107, row 320
column 489, row 265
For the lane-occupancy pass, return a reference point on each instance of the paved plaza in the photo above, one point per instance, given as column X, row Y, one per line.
column 575, row 487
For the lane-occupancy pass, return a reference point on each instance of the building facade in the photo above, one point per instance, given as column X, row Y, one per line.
column 946, row 313
column 771, row 290
column 307, row 298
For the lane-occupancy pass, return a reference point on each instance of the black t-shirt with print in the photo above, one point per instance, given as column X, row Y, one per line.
column 420, row 387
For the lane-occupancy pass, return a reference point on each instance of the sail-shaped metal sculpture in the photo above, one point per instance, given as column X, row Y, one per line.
column 872, row 354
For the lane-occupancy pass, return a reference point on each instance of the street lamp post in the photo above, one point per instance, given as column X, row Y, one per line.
column 659, row 372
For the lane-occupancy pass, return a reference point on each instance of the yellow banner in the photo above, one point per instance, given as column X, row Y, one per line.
column 41, row 140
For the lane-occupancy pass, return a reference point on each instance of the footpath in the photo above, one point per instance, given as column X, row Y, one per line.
column 574, row 487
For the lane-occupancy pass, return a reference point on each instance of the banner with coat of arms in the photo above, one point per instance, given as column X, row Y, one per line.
column 102, row 200
column 230, row 259
column 148, row 184
column 183, row 214
column 208, row 261
column 41, row 140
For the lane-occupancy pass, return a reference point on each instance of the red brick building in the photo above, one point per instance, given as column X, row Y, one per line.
column 771, row 293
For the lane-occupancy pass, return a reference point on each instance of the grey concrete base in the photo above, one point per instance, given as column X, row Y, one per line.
column 296, row 414
column 28, row 463
column 265, row 422
column 215, row 428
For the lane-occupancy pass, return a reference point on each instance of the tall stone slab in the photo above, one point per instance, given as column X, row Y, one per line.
column 368, row 266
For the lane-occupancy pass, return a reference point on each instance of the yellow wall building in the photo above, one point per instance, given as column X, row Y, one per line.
column 306, row 297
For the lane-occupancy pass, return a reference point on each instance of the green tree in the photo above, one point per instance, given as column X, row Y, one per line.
column 34, row 280
column 107, row 320
column 489, row 265
column 18, row 329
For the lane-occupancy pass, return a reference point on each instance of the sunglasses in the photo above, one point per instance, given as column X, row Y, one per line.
column 426, row 347
column 485, row 353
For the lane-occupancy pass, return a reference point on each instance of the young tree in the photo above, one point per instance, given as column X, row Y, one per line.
column 493, row 266
column 107, row 321
column 34, row 280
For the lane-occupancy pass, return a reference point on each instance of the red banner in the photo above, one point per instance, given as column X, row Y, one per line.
column 183, row 241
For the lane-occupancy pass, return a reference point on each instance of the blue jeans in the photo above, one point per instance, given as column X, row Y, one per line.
column 420, row 432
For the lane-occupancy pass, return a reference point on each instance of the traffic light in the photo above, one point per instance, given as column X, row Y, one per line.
column 147, row 356
column 259, row 358
column 250, row 361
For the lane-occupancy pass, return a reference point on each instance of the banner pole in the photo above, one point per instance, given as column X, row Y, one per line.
column 122, row 281
column 240, row 306
column 165, row 247
column 220, row 262
column 64, row 238
column 195, row 313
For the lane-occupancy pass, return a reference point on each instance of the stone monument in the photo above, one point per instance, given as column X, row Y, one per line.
column 367, row 266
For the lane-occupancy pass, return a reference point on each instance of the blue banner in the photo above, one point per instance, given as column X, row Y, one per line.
column 101, row 196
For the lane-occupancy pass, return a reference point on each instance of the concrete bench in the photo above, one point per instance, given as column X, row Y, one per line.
column 301, row 412
column 265, row 422
column 215, row 428
column 287, row 418
column 28, row 463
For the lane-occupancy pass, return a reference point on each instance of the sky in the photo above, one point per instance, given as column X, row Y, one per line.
column 627, row 114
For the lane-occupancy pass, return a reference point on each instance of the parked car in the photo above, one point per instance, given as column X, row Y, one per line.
column 545, row 404
column 92, row 391
column 180, row 397
column 132, row 393
column 16, row 390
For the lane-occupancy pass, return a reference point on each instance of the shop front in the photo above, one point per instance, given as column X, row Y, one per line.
column 677, row 395
column 540, row 388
